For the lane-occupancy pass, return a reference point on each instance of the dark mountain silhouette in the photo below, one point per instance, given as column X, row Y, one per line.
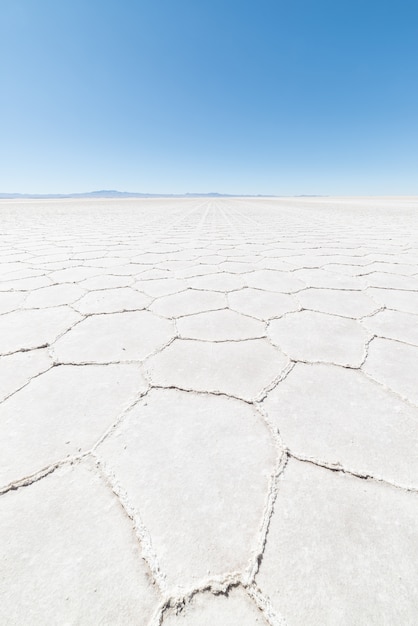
column 111, row 193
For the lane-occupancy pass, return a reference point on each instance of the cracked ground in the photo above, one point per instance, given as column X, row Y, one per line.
column 209, row 412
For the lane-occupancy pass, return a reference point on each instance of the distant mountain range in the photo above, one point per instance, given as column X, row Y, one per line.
column 111, row 193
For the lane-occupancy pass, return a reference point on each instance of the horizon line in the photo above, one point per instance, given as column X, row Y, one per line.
column 111, row 193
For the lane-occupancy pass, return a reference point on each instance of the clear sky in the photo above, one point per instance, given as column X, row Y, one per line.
column 235, row 96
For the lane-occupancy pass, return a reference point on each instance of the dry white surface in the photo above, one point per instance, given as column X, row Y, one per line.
column 209, row 412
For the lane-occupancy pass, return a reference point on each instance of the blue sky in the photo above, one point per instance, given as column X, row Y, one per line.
column 235, row 96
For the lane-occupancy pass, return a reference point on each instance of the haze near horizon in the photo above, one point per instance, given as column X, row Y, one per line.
column 241, row 97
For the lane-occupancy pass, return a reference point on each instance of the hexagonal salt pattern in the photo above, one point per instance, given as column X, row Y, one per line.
column 220, row 326
column 62, row 541
column 396, row 299
column 208, row 411
column 159, row 287
column 357, row 562
column 188, row 302
column 129, row 336
column 11, row 300
column 354, row 304
column 17, row 369
column 55, row 295
column 261, row 304
column 394, row 365
column 62, row 413
column 323, row 279
column 112, row 301
column 35, row 328
column 340, row 417
column 222, row 282
column 241, row 368
column 394, row 325
column 171, row 457
column 316, row 337
column 274, row 280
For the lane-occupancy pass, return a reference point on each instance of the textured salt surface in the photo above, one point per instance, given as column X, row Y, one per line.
column 209, row 412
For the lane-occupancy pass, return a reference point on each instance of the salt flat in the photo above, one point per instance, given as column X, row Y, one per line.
column 209, row 412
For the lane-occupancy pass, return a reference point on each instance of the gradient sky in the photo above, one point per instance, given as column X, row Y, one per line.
column 235, row 96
